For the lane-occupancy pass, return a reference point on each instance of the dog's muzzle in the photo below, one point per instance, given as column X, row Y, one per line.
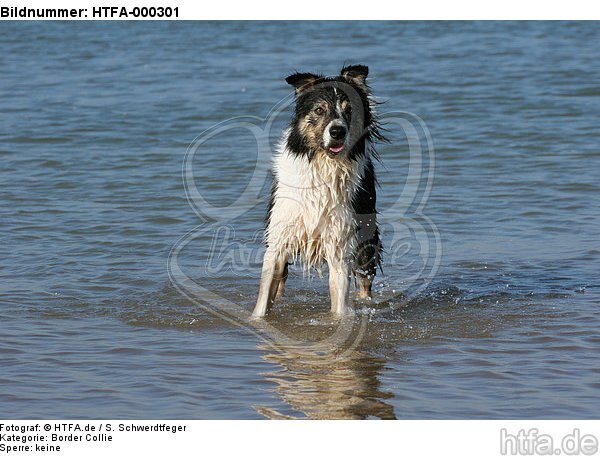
column 335, row 136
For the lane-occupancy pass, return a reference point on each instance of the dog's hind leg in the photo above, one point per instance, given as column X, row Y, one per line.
column 367, row 258
column 274, row 266
column 284, row 276
column 339, row 272
column 365, row 282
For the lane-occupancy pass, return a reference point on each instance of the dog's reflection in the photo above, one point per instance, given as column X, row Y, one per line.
column 343, row 388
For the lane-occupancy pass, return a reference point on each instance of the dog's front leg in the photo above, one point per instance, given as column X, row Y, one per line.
column 274, row 267
column 339, row 271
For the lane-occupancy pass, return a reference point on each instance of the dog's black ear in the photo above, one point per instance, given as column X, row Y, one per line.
column 302, row 81
column 356, row 73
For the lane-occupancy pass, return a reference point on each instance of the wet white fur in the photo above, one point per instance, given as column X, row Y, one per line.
column 312, row 212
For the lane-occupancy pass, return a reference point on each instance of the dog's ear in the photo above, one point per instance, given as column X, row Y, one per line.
column 356, row 74
column 302, row 81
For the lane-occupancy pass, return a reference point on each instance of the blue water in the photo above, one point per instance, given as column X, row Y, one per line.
column 96, row 119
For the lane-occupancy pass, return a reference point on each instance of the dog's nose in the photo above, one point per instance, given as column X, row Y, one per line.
column 337, row 132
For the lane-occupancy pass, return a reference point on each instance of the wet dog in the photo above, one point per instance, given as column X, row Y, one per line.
column 323, row 198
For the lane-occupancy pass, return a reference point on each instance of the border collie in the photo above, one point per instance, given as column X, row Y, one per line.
column 323, row 200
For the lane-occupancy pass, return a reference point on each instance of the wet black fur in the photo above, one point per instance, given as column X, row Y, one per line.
column 367, row 256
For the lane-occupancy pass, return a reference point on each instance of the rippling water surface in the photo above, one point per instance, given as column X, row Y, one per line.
column 96, row 120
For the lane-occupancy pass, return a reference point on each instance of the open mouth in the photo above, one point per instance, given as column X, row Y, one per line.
column 336, row 149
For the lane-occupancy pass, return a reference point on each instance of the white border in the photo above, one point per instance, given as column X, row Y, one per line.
column 347, row 10
column 302, row 438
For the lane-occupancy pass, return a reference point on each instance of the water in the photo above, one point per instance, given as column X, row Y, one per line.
column 96, row 120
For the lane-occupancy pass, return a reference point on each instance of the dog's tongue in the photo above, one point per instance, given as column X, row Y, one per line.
column 336, row 150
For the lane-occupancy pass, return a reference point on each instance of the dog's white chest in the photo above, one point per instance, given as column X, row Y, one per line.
column 312, row 214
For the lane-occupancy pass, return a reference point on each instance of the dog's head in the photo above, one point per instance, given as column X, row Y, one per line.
column 333, row 115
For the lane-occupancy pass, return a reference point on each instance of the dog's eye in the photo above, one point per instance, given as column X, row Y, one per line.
column 319, row 111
